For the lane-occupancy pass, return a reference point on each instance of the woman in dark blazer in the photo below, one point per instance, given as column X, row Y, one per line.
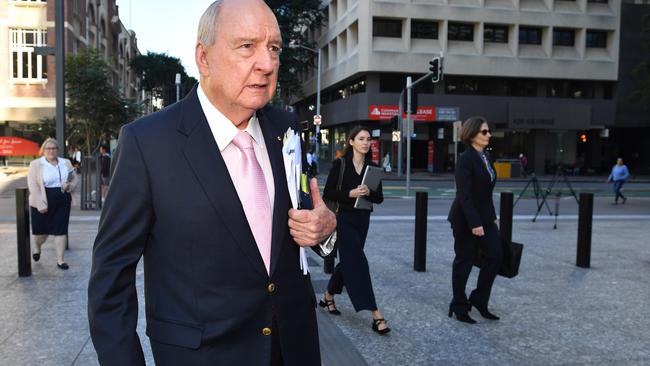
column 352, row 271
column 474, row 222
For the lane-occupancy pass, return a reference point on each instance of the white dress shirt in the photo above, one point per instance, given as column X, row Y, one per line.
column 223, row 131
column 54, row 176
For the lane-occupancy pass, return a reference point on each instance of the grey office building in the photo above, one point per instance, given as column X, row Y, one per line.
column 554, row 77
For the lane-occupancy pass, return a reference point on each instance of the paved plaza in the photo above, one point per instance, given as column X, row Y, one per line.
column 553, row 313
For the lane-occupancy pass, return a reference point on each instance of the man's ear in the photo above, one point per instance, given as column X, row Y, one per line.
column 201, row 56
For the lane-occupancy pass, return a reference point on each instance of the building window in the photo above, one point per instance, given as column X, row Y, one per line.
column 25, row 63
column 460, row 32
column 391, row 83
column 530, row 35
column 598, row 1
column 495, row 33
column 563, row 37
column 596, row 39
column 570, row 89
column 423, row 29
column 382, row 27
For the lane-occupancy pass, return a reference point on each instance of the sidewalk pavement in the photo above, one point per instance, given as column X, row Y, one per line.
column 553, row 313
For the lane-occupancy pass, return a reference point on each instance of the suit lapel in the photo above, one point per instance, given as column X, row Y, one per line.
column 273, row 140
column 203, row 156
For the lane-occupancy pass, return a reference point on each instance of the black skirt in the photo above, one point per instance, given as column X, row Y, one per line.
column 55, row 220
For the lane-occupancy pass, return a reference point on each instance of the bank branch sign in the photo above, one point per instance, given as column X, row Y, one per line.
column 385, row 112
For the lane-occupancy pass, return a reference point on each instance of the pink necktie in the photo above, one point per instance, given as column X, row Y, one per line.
column 254, row 196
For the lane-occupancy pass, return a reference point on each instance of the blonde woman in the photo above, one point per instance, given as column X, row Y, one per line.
column 50, row 180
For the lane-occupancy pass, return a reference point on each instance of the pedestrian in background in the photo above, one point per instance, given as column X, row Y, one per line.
column 523, row 160
column 105, row 169
column 50, row 180
column 353, row 271
column 474, row 222
column 619, row 175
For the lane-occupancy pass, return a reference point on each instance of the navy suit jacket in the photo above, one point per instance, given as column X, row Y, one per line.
column 473, row 205
column 172, row 202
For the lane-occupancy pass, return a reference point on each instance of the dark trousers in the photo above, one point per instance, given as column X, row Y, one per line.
column 353, row 271
column 465, row 246
column 618, row 184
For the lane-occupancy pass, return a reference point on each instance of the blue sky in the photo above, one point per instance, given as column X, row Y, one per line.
column 165, row 26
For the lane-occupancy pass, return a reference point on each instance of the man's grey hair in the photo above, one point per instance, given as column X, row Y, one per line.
column 208, row 24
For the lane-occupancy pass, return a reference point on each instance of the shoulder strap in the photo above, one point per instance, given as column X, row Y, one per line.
column 341, row 171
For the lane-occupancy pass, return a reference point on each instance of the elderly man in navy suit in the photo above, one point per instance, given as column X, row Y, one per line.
column 199, row 191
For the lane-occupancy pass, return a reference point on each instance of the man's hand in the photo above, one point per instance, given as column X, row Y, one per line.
column 310, row 227
column 43, row 211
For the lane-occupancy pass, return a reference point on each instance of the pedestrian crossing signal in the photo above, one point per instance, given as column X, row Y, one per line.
column 583, row 138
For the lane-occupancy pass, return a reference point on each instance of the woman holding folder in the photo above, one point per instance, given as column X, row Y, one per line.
column 352, row 271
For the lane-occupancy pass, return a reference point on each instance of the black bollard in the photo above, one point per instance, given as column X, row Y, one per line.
column 585, row 216
column 22, row 231
column 328, row 265
column 505, row 217
column 421, row 206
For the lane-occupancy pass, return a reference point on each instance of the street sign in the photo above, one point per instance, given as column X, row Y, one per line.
column 447, row 113
column 317, row 119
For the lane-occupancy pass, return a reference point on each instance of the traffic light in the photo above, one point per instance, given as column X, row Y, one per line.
column 583, row 137
column 394, row 122
column 436, row 69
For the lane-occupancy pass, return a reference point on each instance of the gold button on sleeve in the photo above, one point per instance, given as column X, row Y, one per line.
column 266, row 331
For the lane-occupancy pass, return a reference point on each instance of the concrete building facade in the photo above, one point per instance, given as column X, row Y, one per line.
column 543, row 72
column 27, row 80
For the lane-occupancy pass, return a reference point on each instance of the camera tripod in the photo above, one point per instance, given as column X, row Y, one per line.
column 559, row 174
column 537, row 191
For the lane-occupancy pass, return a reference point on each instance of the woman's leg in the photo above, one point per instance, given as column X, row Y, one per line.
column 335, row 284
column 354, row 264
column 38, row 243
column 491, row 245
column 465, row 249
column 60, row 244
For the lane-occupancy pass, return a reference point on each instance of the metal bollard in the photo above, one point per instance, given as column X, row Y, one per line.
column 505, row 217
column 585, row 217
column 328, row 265
column 421, row 206
column 22, row 231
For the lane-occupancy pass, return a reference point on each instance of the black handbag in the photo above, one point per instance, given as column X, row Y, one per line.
column 333, row 205
column 511, row 258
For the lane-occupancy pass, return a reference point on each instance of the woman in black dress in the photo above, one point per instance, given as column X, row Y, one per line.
column 50, row 180
column 352, row 271
column 474, row 222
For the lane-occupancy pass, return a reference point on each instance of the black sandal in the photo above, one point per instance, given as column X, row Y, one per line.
column 330, row 305
column 375, row 326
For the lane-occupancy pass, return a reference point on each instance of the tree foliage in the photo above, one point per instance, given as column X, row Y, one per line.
column 295, row 17
column 158, row 72
column 96, row 109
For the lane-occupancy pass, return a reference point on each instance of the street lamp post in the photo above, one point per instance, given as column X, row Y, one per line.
column 318, row 51
column 178, row 87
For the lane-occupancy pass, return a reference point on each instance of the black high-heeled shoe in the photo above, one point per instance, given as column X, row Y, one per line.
column 461, row 317
column 484, row 312
column 330, row 305
column 375, row 326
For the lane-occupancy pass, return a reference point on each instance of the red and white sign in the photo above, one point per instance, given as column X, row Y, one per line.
column 374, row 145
column 317, row 119
column 385, row 112
column 16, row 146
